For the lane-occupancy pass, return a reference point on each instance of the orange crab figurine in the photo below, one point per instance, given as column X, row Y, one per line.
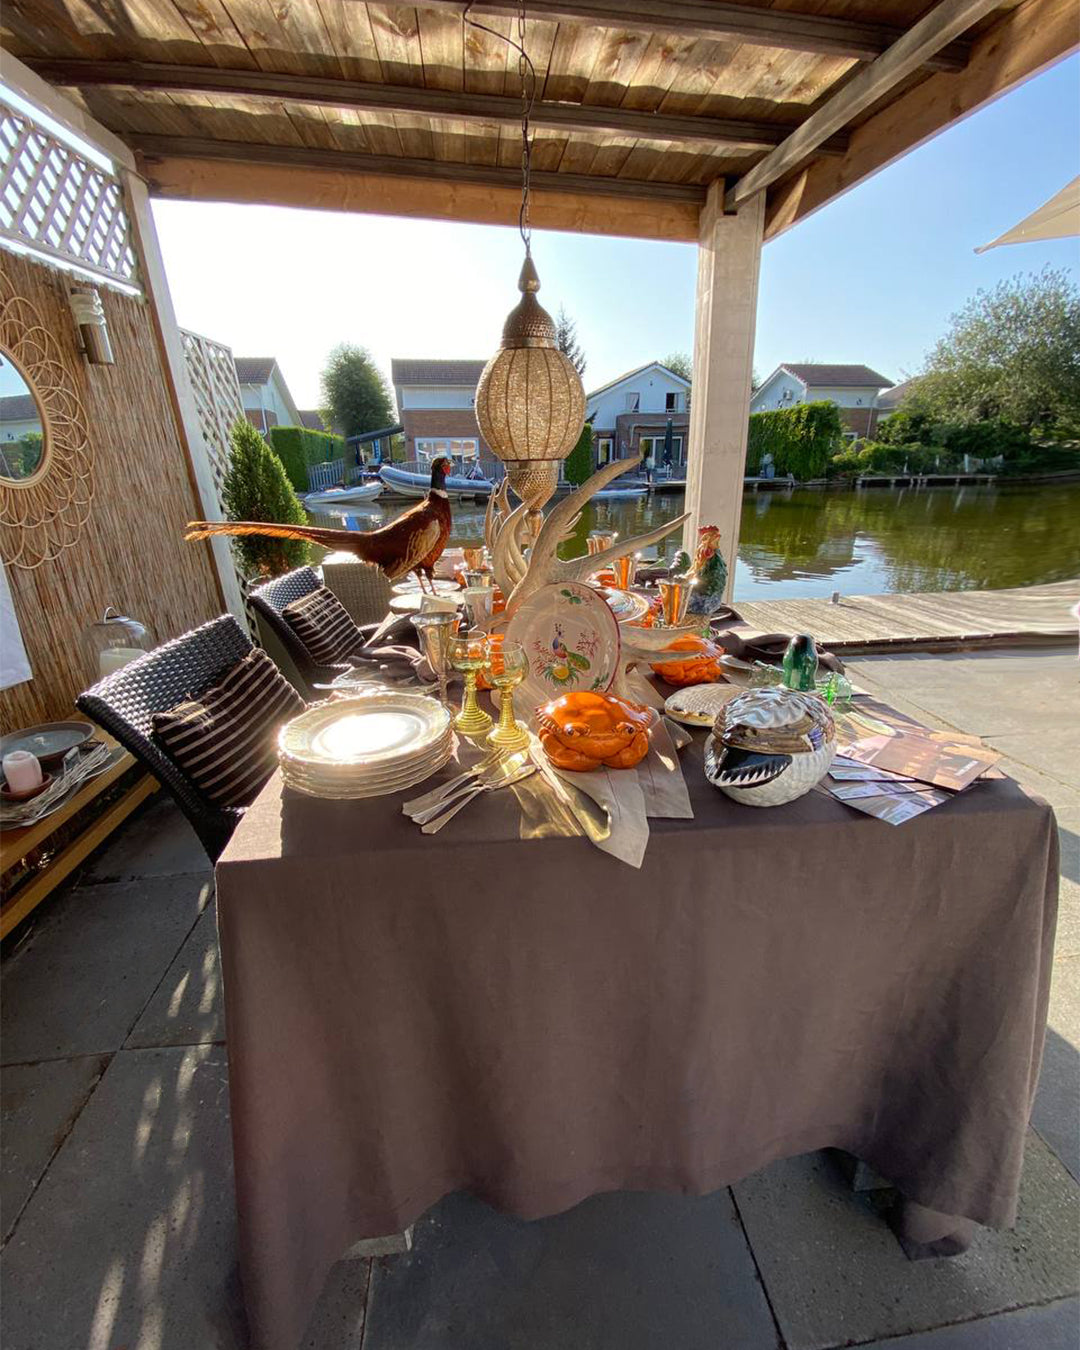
column 585, row 730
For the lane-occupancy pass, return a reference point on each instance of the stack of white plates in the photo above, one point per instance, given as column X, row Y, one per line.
column 365, row 746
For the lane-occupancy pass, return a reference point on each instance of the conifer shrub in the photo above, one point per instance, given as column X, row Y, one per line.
column 256, row 487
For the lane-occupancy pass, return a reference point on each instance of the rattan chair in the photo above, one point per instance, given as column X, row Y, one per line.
column 124, row 705
column 268, row 602
column 362, row 588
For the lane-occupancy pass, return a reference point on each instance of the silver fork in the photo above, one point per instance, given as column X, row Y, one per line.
column 434, row 825
column 450, row 789
column 489, row 773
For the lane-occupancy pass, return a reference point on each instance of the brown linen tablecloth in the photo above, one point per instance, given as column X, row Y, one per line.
column 536, row 1023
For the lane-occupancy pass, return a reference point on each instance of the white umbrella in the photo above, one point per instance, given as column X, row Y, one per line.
column 1056, row 219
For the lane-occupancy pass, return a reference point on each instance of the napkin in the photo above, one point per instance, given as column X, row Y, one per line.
column 656, row 787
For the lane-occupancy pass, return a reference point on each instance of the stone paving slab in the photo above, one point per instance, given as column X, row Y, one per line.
column 626, row 1271
column 78, row 983
column 835, row 1274
column 993, row 694
column 156, row 842
column 129, row 1240
column 39, row 1104
column 1053, row 1327
column 186, row 1008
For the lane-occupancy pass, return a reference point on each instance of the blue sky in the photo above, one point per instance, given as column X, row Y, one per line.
column 873, row 277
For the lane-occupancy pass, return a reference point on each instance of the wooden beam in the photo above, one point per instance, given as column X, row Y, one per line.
column 867, row 87
column 280, row 87
column 185, row 178
column 722, row 22
column 1025, row 41
column 295, row 156
column 725, row 313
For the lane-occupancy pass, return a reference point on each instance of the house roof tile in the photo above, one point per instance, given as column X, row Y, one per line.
column 253, row 369
column 892, row 398
column 423, row 371
column 312, row 419
column 18, row 408
column 838, row 377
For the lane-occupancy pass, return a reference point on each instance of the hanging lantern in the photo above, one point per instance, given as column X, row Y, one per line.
column 530, row 403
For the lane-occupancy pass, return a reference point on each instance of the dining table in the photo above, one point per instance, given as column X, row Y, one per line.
column 503, row 1008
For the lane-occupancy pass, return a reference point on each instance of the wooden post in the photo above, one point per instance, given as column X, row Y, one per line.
column 729, row 256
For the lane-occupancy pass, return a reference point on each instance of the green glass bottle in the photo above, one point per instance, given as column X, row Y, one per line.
column 800, row 663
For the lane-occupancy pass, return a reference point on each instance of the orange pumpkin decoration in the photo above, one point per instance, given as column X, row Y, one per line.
column 702, row 665
column 584, row 730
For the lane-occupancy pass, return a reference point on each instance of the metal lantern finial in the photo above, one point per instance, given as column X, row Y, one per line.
column 530, row 403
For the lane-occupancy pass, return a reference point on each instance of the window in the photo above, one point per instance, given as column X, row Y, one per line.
column 671, row 402
column 633, row 402
column 652, row 447
column 603, row 450
column 431, row 447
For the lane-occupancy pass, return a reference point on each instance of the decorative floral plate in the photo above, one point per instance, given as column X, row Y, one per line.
column 627, row 606
column 571, row 639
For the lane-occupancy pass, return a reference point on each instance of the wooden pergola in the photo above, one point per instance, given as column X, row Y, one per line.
column 697, row 120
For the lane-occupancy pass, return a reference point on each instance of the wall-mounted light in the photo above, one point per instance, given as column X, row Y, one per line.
column 90, row 319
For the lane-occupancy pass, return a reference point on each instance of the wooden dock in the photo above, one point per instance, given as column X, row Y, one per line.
column 1030, row 616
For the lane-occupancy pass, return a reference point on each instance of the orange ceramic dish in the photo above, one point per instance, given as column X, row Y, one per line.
column 585, row 730
column 702, row 665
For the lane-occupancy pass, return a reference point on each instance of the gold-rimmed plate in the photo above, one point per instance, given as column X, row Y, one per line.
column 369, row 730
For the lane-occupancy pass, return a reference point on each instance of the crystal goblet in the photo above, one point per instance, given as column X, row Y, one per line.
column 509, row 666
column 436, row 630
column 469, row 654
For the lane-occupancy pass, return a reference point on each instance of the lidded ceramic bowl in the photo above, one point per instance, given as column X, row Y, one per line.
column 769, row 746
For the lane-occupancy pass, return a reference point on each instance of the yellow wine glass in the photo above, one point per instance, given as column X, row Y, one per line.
column 509, row 666
column 469, row 654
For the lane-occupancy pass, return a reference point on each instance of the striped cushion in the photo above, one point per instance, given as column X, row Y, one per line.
column 323, row 625
column 225, row 740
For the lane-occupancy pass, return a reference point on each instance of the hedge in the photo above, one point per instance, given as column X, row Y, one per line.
column 300, row 447
column 802, row 440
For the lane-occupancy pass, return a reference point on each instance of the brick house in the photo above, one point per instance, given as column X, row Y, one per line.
column 629, row 416
column 854, row 389
column 437, row 406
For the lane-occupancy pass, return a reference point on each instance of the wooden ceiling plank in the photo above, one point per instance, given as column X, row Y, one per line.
column 279, row 86
column 935, row 30
column 725, row 22
column 194, row 147
column 1023, row 42
column 397, row 40
column 353, row 41
column 212, row 24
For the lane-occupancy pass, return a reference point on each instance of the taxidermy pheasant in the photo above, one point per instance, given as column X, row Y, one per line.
column 411, row 543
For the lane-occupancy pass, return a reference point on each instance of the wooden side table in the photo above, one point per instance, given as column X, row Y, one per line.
column 17, row 844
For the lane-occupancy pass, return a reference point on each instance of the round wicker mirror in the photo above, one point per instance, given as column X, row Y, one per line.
column 46, row 476
column 24, row 430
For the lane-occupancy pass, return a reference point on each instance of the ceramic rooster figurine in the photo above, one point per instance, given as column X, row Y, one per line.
column 710, row 569
column 411, row 543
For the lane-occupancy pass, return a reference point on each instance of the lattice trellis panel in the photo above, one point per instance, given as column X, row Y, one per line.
column 217, row 395
column 59, row 203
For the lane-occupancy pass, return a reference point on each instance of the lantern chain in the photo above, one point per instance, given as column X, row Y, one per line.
column 527, row 76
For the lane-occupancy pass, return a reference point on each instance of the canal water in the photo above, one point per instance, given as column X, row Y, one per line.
column 801, row 542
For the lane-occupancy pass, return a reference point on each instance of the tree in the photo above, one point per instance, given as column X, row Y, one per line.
column 1011, row 354
column 680, row 363
column 579, row 464
column 256, row 487
column 355, row 393
column 566, row 340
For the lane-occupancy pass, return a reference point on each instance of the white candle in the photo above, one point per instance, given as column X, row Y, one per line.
column 112, row 658
column 22, row 770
